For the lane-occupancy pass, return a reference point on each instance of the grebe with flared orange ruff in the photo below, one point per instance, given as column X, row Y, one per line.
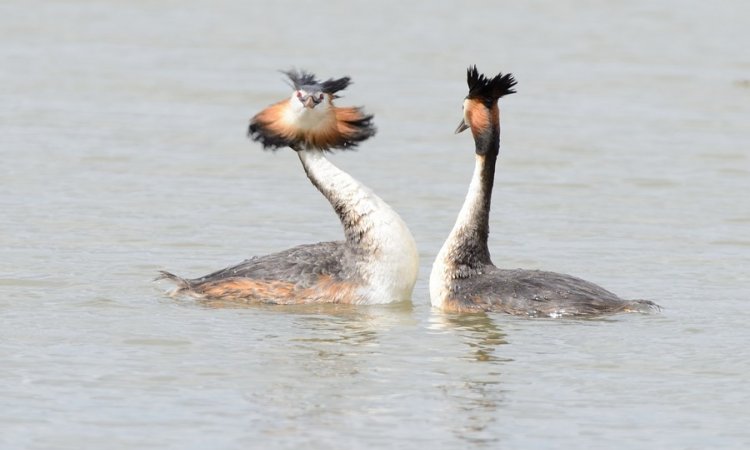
column 377, row 262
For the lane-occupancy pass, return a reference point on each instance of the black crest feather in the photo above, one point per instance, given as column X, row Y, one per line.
column 489, row 89
column 301, row 79
column 331, row 86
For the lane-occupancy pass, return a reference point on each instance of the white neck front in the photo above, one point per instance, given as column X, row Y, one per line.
column 472, row 205
column 391, row 258
column 445, row 263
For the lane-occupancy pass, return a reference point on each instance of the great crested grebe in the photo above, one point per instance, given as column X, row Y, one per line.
column 463, row 277
column 376, row 263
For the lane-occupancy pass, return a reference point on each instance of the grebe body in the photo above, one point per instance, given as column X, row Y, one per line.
column 463, row 277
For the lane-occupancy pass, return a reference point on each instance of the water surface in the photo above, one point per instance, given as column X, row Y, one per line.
column 624, row 161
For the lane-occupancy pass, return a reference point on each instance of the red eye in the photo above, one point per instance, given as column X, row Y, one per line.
column 321, row 96
column 299, row 94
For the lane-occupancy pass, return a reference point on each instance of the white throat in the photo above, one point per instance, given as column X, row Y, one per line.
column 443, row 266
column 392, row 262
column 302, row 118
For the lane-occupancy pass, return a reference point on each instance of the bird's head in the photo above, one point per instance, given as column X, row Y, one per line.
column 481, row 113
column 309, row 92
column 309, row 119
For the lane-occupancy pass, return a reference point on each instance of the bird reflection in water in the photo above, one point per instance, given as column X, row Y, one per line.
column 475, row 393
column 329, row 340
column 479, row 332
column 341, row 354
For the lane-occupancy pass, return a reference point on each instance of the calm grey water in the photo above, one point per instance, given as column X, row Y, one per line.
column 624, row 161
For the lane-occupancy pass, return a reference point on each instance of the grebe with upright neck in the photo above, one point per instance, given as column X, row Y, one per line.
column 463, row 277
column 378, row 260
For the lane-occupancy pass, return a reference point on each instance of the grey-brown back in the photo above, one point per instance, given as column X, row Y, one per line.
column 538, row 293
column 302, row 265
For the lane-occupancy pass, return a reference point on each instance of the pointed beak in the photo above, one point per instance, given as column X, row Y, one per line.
column 310, row 103
column 461, row 126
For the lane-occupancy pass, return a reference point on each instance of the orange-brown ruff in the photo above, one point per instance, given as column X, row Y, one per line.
column 325, row 126
column 480, row 117
column 339, row 128
column 463, row 277
column 376, row 263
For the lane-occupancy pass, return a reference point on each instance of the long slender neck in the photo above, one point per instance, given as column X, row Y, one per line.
column 353, row 202
column 467, row 243
column 372, row 228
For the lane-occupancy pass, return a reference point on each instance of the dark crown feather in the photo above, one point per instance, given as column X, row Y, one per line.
column 301, row 79
column 489, row 89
